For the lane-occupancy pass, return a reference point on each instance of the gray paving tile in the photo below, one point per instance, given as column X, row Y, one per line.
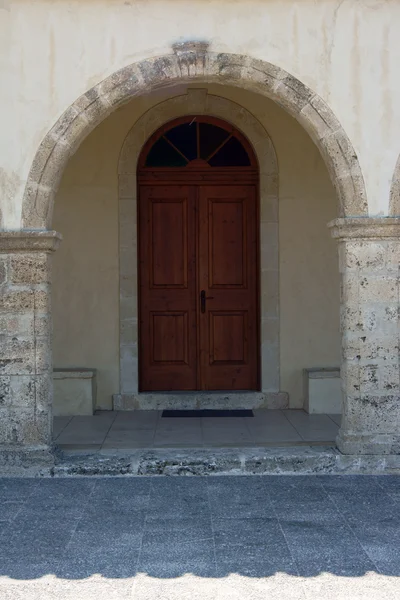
column 174, row 560
column 109, row 565
column 179, row 498
column 223, row 423
column 380, row 540
column 130, row 494
column 253, row 531
column 391, row 485
column 179, row 423
column 27, row 568
column 269, row 433
column 169, row 438
column 239, row 497
column 97, row 541
column 59, row 424
column 135, row 420
column 172, row 530
column 304, row 504
column 336, row 419
column 135, row 438
column 362, row 505
column 252, row 561
column 231, row 432
column 17, row 489
column 37, row 538
column 9, row 510
column 274, row 483
column 69, row 496
column 312, row 427
column 332, row 547
column 348, row 482
column 86, row 430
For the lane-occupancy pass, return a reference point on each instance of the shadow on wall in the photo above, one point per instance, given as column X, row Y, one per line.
column 209, row 527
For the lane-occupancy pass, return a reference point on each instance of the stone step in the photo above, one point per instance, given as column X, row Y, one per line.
column 303, row 460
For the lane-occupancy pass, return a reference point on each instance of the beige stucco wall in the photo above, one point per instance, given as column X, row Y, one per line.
column 85, row 292
column 53, row 51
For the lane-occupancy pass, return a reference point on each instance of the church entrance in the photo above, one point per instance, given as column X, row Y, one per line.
column 198, row 259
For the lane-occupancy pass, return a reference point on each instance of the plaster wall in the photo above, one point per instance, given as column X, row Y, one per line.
column 347, row 51
column 86, row 287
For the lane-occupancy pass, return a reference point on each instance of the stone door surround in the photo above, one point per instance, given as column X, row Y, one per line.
column 198, row 101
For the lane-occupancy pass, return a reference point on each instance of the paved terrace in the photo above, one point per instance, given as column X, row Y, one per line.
column 200, row 538
column 109, row 430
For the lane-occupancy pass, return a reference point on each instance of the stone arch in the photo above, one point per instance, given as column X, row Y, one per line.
column 394, row 199
column 189, row 62
column 198, row 101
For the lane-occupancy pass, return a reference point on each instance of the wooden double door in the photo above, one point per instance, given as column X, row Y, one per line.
column 198, row 282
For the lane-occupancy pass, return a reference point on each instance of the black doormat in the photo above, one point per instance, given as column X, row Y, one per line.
column 207, row 413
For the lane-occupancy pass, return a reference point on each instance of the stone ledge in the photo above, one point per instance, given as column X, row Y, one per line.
column 65, row 373
column 29, row 241
column 234, row 461
column 305, row 460
column 365, row 227
column 199, row 400
column 323, row 373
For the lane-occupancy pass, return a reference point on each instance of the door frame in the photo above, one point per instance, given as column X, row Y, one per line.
column 197, row 177
column 270, row 396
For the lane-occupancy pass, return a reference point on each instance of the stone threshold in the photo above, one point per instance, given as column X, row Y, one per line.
column 199, row 400
column 300, row 460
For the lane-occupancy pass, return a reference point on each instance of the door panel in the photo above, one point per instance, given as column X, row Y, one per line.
column 195, row 238
column 227, row 267
column 227, row 243
column 168, row 328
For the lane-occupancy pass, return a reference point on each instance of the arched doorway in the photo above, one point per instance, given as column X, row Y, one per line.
column 198, row 258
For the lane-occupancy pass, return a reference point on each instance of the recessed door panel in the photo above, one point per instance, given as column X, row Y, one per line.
column 168, row 256
column 227, row 239
column 170, row 338
column 228, row 276
column 228, row 337
column 167, row 276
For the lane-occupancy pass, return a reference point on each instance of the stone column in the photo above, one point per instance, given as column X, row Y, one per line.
column 369, row 259
column 26, row 376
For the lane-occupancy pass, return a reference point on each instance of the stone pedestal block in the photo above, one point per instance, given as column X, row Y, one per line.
column 322, row 391
column 74, row 392
column 369, row 258
column 25, row 349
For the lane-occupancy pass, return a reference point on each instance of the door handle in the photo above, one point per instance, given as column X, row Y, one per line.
column 203, row 299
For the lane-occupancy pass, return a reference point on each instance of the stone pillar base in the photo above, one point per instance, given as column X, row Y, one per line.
column 381, row 444
column 25, row 460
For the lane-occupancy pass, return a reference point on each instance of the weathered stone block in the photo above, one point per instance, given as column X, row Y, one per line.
column 30, row 268
column 322, row 391
column 17, row 355
column 362, row 256
column 14, row 300
column 3, row 270
column 74, row 392
column 54, row 168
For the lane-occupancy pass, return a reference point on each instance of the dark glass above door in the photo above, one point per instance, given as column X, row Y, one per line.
column 197, row 142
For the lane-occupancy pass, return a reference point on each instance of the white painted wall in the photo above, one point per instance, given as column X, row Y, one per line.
column 86, row 287
column 347, row 51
